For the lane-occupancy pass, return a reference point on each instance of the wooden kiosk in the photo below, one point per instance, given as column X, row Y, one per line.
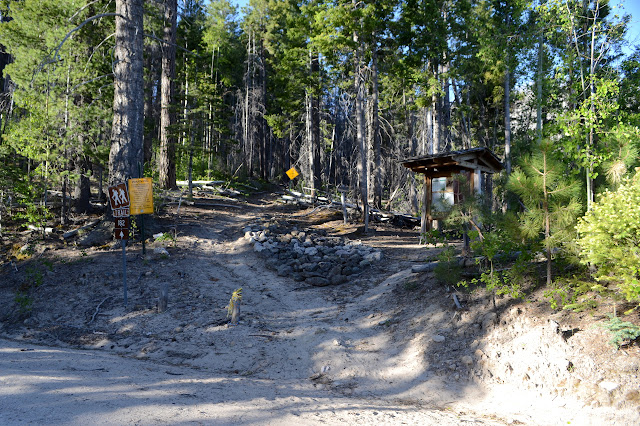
column 438, row 169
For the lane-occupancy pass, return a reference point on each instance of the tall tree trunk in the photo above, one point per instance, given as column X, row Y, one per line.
column 150, row 127
column 507, row 120
column 128, row 97
column 445, row 127
column 375, row 133
column 363, row 169
column 167, row 157
column 539, row 84
column 436, row 116
column 413, row 147
column 313, row 126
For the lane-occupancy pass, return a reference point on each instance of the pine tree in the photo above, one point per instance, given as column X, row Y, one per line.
column 550, row 201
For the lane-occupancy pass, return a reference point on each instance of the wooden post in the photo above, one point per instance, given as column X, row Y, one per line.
column 163, row 298
column 342, row 190
column 425, row 224
column 477, row 179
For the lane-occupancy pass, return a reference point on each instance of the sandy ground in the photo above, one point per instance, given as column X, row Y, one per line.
column 366, row 352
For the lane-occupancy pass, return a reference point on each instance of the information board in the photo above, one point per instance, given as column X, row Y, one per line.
column 141, row 195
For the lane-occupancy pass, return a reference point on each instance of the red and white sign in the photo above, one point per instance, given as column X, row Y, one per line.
column 118, row 196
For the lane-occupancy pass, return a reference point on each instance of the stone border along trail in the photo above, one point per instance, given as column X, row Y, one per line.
column 311, row 257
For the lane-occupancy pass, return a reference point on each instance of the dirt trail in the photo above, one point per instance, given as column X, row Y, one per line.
column 371, row 350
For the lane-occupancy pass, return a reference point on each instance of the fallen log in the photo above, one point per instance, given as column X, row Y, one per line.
column 71, row 233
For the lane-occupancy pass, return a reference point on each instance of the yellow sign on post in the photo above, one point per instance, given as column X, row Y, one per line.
column 141, row 196
column 292, row 173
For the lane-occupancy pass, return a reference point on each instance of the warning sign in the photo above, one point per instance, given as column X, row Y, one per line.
column 141, row 191
column 292, row 173
column 118, row 196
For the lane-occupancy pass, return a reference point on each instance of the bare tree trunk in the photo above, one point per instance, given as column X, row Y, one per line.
column 128, row 97
column 413, row 192
column 375, row 130
column 363, row 167
column 150, row 127
column 539, row 84
column 167, row 157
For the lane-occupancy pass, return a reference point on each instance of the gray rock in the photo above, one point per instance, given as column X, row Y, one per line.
column 438, row 338
column 375, row 256
column 365, row 263
column 351, row 270
column 336, row 270
column 311, row 251
column 338, row 279
column 343, row 253
column 286, row 238
column 309, row 267
column 324, row 266
column 285, row 271
column 317, row 281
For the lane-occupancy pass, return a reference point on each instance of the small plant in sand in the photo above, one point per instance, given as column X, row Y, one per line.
column 233, row 308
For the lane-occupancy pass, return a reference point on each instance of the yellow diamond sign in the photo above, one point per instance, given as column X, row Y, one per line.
column 141, row 196
column 292, row 173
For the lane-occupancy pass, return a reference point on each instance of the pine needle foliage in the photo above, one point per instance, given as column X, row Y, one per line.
column 623, row 332
column 550, row 200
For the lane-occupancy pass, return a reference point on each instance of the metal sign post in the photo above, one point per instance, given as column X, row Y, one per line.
column 124, row 270
column 119, row 200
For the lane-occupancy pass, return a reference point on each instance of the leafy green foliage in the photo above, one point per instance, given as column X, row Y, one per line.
column 448, row 271
column 24, row 301
column 610, row 238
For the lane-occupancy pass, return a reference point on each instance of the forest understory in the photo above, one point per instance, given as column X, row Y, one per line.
column 381, row 343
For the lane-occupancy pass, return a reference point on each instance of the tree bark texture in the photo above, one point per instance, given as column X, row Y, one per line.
column 375, row 133
column 128, row 97
column 166, row 160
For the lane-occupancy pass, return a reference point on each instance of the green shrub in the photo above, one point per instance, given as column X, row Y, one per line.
column 623, row 332
column 448, row 271
column 609, row 238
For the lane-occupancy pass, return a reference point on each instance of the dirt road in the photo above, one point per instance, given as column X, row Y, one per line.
column 386, row 346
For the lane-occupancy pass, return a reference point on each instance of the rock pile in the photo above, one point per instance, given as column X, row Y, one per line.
column 310, row 256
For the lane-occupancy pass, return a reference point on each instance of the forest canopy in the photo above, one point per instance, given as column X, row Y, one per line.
column 340, row 90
